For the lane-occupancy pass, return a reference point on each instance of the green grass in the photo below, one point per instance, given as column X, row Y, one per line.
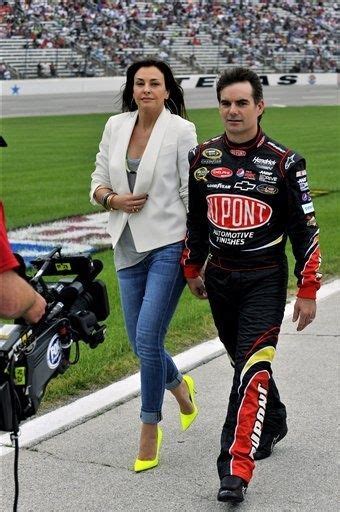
column 46, row 175
column 47, row 166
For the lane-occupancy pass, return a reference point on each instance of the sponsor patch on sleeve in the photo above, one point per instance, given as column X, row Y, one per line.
column 311, row 220
column 290, row 160
column 308, row 207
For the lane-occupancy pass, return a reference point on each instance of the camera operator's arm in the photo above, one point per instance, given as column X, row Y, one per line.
column 19, row 299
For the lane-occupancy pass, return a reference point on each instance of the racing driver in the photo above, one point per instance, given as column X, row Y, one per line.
column 247, row 193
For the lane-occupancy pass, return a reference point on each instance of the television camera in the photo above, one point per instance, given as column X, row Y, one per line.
column 31, row 355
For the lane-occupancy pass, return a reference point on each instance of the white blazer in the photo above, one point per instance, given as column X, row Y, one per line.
column 162, row 174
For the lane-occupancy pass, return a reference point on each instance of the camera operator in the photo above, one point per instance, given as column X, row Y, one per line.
column 17, row 297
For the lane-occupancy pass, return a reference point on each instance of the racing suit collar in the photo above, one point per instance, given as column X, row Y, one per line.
column 245, row 147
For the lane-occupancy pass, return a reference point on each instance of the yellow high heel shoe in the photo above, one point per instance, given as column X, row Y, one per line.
column 187, row 419
column 143, row 465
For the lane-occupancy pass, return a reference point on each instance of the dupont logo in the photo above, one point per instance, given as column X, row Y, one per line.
column 221, row 172
column 236, row 212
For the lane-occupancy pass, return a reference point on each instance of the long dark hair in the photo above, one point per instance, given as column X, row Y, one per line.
column 175, row 102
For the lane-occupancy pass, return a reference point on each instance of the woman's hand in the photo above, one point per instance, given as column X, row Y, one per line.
column 129, row 203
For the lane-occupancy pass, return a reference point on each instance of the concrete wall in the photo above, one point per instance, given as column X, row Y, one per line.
column 82, row 85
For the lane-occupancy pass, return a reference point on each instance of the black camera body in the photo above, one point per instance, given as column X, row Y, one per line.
column 30, row 356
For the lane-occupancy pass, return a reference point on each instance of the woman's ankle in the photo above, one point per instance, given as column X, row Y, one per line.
column 181, row 393
column 148, row 442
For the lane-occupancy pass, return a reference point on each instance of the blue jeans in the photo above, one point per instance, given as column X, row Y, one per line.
column 149, row 293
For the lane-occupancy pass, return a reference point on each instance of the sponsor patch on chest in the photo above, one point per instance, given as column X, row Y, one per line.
column 212, row 153
column 200, row 174
column 221, row 172
column 267, row 176
column 237, row 212
column 264, row 163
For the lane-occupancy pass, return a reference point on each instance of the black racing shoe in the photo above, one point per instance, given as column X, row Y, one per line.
column 232, row 489
column 268, row 441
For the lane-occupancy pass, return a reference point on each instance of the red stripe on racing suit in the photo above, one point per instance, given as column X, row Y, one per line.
column 249, row 426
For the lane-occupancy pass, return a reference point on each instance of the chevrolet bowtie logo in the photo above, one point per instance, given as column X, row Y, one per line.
column 245, row 185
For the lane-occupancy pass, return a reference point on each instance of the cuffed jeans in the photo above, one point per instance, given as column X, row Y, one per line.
column 150, row 292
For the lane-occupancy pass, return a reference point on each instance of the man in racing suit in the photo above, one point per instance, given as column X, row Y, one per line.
column 247, row 193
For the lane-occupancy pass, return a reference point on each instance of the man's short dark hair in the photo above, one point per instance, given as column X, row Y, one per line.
column 234, row 75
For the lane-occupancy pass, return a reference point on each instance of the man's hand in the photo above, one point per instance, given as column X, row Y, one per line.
column 19, row 299
column 304, row 311
column 196, row 285
column 36, row 311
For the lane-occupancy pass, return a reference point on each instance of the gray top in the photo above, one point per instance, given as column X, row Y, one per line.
column 125, row 254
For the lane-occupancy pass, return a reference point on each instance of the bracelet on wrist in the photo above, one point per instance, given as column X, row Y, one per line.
column 104, row 198
column 107, row 204
column 101, row 187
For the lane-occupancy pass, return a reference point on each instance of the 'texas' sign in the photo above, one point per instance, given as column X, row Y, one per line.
column 236, row 212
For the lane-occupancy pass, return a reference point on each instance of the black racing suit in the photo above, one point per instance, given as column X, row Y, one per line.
column 244, row 200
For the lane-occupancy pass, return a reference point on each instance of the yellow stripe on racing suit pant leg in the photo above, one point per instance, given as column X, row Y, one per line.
column 264, row 354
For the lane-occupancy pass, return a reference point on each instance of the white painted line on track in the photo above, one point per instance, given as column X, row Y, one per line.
column 119, row 392
column 325, row 97
column 278, row 105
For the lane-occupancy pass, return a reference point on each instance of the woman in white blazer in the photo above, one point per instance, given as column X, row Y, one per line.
column 141, row 177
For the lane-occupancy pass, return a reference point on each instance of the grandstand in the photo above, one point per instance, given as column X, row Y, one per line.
column 60, row 38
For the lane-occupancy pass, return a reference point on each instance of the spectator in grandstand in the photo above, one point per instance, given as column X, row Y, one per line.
column 141, row 178
column 288, row 27
column 89, row 71
column 7, row 74
column 2, row 70
column 163, row 55
column 247, row 194
column 53, row 70
column 39, row 70
column 295, row 68
column 192, row 59
column 17, row 297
